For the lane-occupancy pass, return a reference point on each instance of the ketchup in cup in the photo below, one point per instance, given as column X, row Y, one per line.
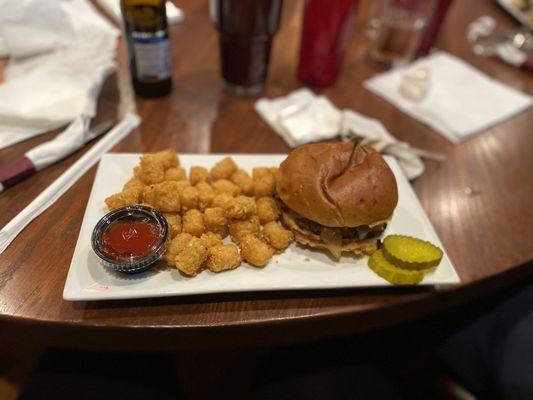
column 327, row 30
column 130, row 239
column 127, row 240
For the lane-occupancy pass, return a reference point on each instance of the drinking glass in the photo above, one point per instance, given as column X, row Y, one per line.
column 433, row 26
column 401, row 26
column 327, row 29
column 246, row 30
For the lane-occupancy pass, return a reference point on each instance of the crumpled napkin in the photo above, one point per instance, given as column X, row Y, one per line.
column 302, row 117
column 373, row 133
column 67, row 142
column 4, row 51
column 61, row 52
column 53, row 192
column 458, row 100
column 41, row 156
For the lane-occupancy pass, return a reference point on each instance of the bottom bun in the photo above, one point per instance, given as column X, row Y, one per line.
column 357, row 247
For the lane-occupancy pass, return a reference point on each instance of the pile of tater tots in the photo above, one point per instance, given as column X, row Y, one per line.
column 207, row 207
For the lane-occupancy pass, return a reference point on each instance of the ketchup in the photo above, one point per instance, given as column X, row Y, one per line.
column 130, row 239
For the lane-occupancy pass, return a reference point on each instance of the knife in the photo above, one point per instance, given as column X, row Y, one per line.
column 23, row 167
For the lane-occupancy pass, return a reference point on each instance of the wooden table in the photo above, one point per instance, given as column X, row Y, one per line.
column 480, row 202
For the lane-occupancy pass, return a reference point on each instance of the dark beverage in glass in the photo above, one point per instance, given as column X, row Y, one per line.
column 327, row 29
column 246, row 30
column 145, row 25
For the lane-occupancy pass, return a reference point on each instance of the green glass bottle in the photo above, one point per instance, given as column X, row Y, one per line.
column 145, row 25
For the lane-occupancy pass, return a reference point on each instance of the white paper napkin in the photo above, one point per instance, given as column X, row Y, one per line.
column 66, row 180
column 61, row 52
column 460, row 100
column 302, row 117
column 67, row 142
column 174, row 14
column 4, row 51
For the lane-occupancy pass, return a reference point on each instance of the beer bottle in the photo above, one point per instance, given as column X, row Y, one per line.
column 145, row 25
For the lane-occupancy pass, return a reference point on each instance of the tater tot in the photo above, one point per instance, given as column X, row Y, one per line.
column 128, row 197
column 175, row 174
column 191, row 259
column 189, row 198
column 182, row 184
column 241, row 207
column 267, row 209
column 163, row 196
column 225, row 186
column 276, row 236
column 210, row 239
column 137, row 172
column 174, row 224
column 223, row 257
column 274, row 171
column 244, row 181
column 259, row 172
column 264, row 186
column 238, row 229
column 152, row 171
column 193, row 222
column 221, row 199
column 206, row 194
column 215, row 221
column 133, row 183
column 223, row 169
column 198, row 174
column 176, row 245
column 255, row 251
column 169, row 158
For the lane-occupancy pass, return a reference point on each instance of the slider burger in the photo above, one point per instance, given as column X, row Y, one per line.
column 337, row 196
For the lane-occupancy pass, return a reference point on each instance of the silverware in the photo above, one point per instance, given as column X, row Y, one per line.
column 523, row 40
column 25, row 166
column 430, row 155
column 520, row 39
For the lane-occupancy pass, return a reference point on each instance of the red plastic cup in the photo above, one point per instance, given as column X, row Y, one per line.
column 327, row 30
column 434, row 25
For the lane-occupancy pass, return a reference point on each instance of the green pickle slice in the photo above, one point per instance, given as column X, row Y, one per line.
column 395, row 275
column 410, row 253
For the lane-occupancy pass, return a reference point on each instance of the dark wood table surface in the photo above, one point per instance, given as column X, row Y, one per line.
column 479, row 201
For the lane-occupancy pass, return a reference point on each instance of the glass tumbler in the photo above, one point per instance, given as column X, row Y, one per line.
column 401, row 26
column 246, row 30
column 327, row 29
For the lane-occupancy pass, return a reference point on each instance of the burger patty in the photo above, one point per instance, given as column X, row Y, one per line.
column 358, row 233
column 336, row 240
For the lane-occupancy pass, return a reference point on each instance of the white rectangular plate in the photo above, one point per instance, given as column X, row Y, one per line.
column 296, row 268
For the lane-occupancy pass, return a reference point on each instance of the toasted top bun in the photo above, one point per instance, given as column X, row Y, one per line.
column 316, row 181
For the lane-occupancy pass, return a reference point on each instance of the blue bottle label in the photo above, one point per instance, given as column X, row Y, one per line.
column 152, row 55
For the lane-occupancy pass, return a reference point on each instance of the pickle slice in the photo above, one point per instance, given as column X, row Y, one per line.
column 397, row 276
column 411, row 253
